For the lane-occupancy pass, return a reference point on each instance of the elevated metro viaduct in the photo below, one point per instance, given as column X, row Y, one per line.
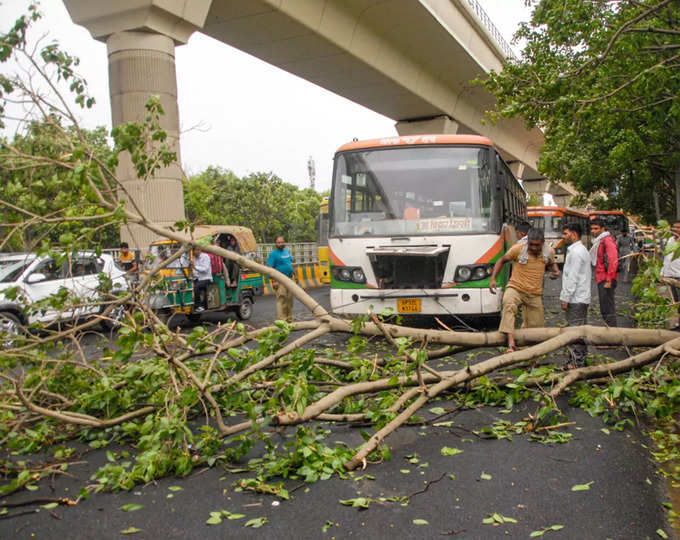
column 408, row 60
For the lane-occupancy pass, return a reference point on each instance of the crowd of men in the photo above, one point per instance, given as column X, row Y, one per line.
column 531, row 256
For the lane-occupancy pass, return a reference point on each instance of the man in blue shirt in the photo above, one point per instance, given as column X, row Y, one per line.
column 281, row 259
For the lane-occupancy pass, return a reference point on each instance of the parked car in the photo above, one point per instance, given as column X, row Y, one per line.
column 10, row 258
column 35, row 278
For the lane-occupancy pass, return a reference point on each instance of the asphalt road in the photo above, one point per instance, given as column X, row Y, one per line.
column 450, row 496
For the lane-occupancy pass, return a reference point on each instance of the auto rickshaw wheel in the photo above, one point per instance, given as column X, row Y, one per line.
column 245, row 309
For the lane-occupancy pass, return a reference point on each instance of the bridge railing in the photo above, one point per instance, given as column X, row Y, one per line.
column 491, row 28
column 303, row 253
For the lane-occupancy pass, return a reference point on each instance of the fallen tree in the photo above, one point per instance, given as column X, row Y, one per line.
column 206, row 396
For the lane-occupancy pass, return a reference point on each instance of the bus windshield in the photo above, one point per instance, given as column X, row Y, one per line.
column 323, row 223
column 413, row 190
column 538, row 222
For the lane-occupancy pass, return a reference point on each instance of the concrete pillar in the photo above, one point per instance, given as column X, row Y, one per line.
column 142, row 64
column 141, row 36
column 435, row 125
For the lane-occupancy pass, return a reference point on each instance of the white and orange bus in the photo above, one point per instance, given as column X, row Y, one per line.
column 551, row 219
column 417, row 222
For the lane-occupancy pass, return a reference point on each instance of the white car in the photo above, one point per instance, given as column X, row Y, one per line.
column 36, row 278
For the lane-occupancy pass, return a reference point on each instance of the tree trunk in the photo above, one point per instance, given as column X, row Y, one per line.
column 657, row 209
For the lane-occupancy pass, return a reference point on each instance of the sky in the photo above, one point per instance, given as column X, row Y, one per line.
column 249, row 116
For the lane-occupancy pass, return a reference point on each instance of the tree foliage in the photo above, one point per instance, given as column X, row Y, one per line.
column 601, row 79
column 49, row 189
column 261, row 201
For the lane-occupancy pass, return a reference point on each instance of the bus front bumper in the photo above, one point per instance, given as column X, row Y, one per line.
column 457, row 301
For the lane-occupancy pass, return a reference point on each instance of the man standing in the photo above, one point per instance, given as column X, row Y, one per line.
column 281, row 259
column 525, row 288
column 127, row 258
column 217, row 267
column 671, row 265
column 234, row 268
column 605, row 258
column 575, row 295
column 202, row 277
column 624, row 245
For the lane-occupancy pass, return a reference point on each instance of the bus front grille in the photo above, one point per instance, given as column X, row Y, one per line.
column 409, row 271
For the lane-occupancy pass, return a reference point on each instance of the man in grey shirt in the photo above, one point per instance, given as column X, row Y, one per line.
column 575, row 294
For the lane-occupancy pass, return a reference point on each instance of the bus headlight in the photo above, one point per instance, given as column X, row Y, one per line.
column 464, row 273
column 358, row 275
column 352, row 274
column 473, row 272
column 479, row 273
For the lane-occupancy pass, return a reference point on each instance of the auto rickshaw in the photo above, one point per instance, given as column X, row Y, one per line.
column 175, row 293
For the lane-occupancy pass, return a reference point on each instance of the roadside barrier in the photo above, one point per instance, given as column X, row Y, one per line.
column 308, row 276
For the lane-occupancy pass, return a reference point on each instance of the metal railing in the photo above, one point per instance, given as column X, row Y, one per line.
column 491, row 28
column 304, row 253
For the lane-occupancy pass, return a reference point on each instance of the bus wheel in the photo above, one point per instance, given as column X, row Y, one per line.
column 245, row 310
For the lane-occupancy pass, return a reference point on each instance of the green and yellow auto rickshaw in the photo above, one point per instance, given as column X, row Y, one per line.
column 231, row 291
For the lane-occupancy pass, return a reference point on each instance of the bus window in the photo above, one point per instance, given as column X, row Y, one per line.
column 448, row 189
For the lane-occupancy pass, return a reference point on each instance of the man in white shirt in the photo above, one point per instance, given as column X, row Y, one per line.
column 202, row 277
column 575, row 294
column 671, row 264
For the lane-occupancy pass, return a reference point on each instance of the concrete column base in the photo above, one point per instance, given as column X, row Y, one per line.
column 436, row 125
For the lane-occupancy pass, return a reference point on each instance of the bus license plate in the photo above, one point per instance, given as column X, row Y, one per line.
column 408, row 305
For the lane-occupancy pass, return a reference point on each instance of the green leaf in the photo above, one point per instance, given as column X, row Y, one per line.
column 420, row 522
column 437, row 410
column 131, row 507
column 236, row 516
column 534, row 534
column 175, row 488
column 485, row 476
column 661, row 533
column 215, row 518
column 49, row 506
column 130, row 530
column 582, row 487
column 31, row 487
column 359, row 502
column 450, row 451
column 256, row 523
column 556, row 527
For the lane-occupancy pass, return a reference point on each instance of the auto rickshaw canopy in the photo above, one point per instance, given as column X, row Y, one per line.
column 244, row 236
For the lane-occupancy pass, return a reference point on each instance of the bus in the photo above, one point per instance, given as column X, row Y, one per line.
column 615, row 221
column 550, row 220
column 417, row 223
column 324, row 268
